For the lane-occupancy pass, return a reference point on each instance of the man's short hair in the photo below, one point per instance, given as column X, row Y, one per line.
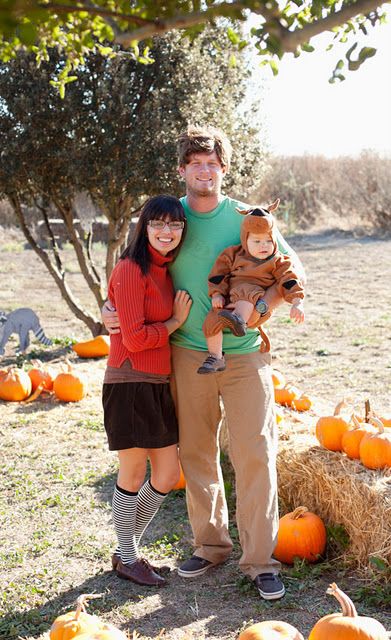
column 204, row 139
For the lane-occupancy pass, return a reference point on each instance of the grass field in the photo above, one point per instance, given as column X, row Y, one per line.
column 57, row 475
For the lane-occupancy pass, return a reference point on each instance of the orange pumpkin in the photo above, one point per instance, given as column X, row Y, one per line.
column 278, row 379
column 301, row 534
column 303, row 403
column 351, row 439
column 375, row 448
column 286, row 395
column 74, row 623
column 181, row 484
column 70, row 386
column 347, row 625
column 41, row 375
column 96, row 348
column 15, row 385
column 386, row 421
column 330, row 429
column 271, row 630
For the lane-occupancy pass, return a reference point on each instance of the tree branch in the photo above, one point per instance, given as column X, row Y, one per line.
column 290, row 40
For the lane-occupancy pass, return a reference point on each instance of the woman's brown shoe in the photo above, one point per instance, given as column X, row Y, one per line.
column 116, row 558
column 140, row 572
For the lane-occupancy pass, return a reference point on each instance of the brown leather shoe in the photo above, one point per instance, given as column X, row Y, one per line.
column 116, row 558
column 140, row 572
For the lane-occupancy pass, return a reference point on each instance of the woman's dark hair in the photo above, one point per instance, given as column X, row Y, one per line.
column 155, row 208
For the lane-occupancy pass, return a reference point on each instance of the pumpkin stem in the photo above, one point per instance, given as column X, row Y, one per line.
column 82, row 601
column 299, row 512
column 355, row 421
column 348, row 608
column 339, row 406
column 378, row 423
column 367, row 410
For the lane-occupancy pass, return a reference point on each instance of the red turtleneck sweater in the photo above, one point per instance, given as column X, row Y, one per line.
column 143, row 304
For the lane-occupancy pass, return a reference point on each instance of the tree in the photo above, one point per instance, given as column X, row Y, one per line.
column 110, row 142
column 78, row 27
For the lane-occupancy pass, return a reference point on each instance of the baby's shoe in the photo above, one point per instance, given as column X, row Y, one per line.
column 212, row 364
column 233, row 321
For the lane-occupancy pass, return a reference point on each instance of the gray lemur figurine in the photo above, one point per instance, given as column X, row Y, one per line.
column 21, row 321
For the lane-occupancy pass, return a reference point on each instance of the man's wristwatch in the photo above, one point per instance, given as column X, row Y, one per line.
column 262, row 307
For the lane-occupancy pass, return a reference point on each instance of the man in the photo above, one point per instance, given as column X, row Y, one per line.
column 245, row 386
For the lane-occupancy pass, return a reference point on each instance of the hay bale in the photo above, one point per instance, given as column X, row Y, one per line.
column 341, row 491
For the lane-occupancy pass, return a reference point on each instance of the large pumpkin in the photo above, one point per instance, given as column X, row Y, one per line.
column 351, row 439
column 375, row 448
column 330, row 429
column 70, row 386
column 271, row 630
column 347, row 625
column 301, row 534
column 75, row 623
column 96, row 348
column 15, row 385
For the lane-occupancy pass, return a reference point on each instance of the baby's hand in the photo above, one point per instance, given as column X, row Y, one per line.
column 297, row 312
column 218, row 301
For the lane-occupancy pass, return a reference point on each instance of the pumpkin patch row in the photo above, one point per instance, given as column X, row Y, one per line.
column 288, row 395
column 17, row 385
column 367, row 440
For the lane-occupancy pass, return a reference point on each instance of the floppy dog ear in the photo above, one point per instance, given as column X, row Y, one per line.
column 243, row 212
column 273, row 206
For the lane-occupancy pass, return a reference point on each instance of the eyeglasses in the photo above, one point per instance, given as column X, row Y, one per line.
column 173, row 225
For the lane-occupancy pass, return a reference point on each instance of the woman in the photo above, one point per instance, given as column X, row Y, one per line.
column 139, row 413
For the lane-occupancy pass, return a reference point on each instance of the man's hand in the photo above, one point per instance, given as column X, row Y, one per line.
column 218, row 301
column 297, row 311
column 110, row 318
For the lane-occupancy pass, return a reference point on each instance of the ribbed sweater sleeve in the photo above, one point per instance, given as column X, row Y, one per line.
column 129, row 291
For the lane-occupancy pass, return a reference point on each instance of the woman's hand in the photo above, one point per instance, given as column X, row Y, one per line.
column 181, row 308
column 218, row 301
column 297, row 311
column 110, row 318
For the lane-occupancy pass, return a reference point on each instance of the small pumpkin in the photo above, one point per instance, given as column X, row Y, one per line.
column 375, row 448
column 286, row 395
column 15, row 385
column 95, row 348
column 301, row 534
column 330, row 429
column 74, row 623
column 278, row 379
column 351, row 439
column 303, row 403
column 41, row 375
column 181, row 484
column 346, row 625
column 70, row 386
column 385, row 420
column 271, row 630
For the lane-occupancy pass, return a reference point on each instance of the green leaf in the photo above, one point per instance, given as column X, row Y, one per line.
column 379, row 563
column 366, row 52
column 232, row 61
column 274, row 67
column 62, row 91
column 233, row 36
column 307, row 47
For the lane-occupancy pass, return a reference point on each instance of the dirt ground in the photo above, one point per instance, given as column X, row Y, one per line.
column 56, row 534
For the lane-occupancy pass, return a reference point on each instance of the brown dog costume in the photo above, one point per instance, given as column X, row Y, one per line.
column 239, row 276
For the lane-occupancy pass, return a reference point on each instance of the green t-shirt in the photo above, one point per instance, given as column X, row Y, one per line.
column 207, row 235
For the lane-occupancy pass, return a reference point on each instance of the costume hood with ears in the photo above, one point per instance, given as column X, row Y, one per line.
column 258, row 220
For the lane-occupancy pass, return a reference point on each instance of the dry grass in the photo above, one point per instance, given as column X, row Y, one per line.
column 57, row 476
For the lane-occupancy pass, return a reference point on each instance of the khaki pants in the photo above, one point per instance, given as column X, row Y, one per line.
column 247, row 393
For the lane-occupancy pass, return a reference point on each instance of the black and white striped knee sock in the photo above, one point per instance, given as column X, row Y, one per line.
column 148, row 503
column 124, row 517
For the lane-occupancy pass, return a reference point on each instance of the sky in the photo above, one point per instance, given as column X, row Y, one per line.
column 306, row 114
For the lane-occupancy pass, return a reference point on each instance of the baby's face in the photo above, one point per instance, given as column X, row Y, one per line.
column 260, row 245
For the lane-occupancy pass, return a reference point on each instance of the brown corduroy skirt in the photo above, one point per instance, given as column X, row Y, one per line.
column 139, row 414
